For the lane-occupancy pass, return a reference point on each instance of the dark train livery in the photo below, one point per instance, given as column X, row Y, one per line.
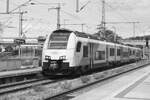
column 66, row 52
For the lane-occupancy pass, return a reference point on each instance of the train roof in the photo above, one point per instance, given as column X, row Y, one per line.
column 62, row 30
column 89, row 36
column 78, row 34
column 85, row 35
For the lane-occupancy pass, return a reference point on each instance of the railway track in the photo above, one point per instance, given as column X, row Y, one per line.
column 63, row 94
column 18, row 86
column 21, row 86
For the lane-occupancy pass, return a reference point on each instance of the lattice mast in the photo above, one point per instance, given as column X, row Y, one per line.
column 103, row 17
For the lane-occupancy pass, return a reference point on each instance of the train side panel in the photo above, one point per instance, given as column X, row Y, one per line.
column 124, row 54
column 99, row 55
column 81, row 53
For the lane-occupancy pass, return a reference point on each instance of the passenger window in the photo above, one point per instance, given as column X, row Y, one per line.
column 85, row 51
column 118, row 52
column 78, row 47
column 130, row 52
column 112, row 52
column 133, row 52
column 100, row 55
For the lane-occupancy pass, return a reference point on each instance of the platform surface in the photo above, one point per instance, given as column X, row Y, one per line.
column 129, row 86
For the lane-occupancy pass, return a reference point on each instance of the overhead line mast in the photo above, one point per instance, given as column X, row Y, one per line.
column 58, row 15
column 7, row 6
column 77, row 5
column 103, row 15
column 20, row 14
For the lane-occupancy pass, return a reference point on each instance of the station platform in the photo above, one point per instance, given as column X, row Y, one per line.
column 134, row 85
column 19, row 72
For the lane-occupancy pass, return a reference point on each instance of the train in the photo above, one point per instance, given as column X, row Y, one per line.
column 68, row 52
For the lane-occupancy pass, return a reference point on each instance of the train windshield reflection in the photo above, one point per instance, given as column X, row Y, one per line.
column 58, row 40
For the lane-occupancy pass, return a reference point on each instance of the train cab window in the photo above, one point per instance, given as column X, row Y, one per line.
column 112, row 52
column 100, row 55
column 85, row 51
column 118, row 52
column 58, row 40
column 78, row 47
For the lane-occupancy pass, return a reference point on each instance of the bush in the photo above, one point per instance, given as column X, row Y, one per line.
column 66, row 85
column 9, row 49
column 5, row 98
column 38, row 88
column 85, row 79
column 22, row 98
column 97, row 77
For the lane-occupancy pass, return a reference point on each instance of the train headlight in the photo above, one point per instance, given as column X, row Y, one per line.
column 47, row 57
column 62, row 57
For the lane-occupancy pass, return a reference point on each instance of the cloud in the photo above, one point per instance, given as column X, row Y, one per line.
column 129, row 5
column 132, row 10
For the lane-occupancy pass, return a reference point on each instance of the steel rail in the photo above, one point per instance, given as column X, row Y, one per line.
column 10, row 88
column 19, row 83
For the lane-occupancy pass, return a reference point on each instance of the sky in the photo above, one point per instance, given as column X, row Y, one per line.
column 39, row 21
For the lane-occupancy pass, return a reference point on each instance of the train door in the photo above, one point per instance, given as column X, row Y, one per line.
column 115, row 47
column 121, row 54
column 107, row 54
column 91, row 55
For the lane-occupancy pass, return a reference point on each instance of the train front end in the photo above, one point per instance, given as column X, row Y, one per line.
column 57, row 53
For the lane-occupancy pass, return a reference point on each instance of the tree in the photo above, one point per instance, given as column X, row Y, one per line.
column 9, row 48
column 108, row 35
column 1, row 28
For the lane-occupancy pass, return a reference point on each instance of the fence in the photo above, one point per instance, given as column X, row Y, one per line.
column 23, row 56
